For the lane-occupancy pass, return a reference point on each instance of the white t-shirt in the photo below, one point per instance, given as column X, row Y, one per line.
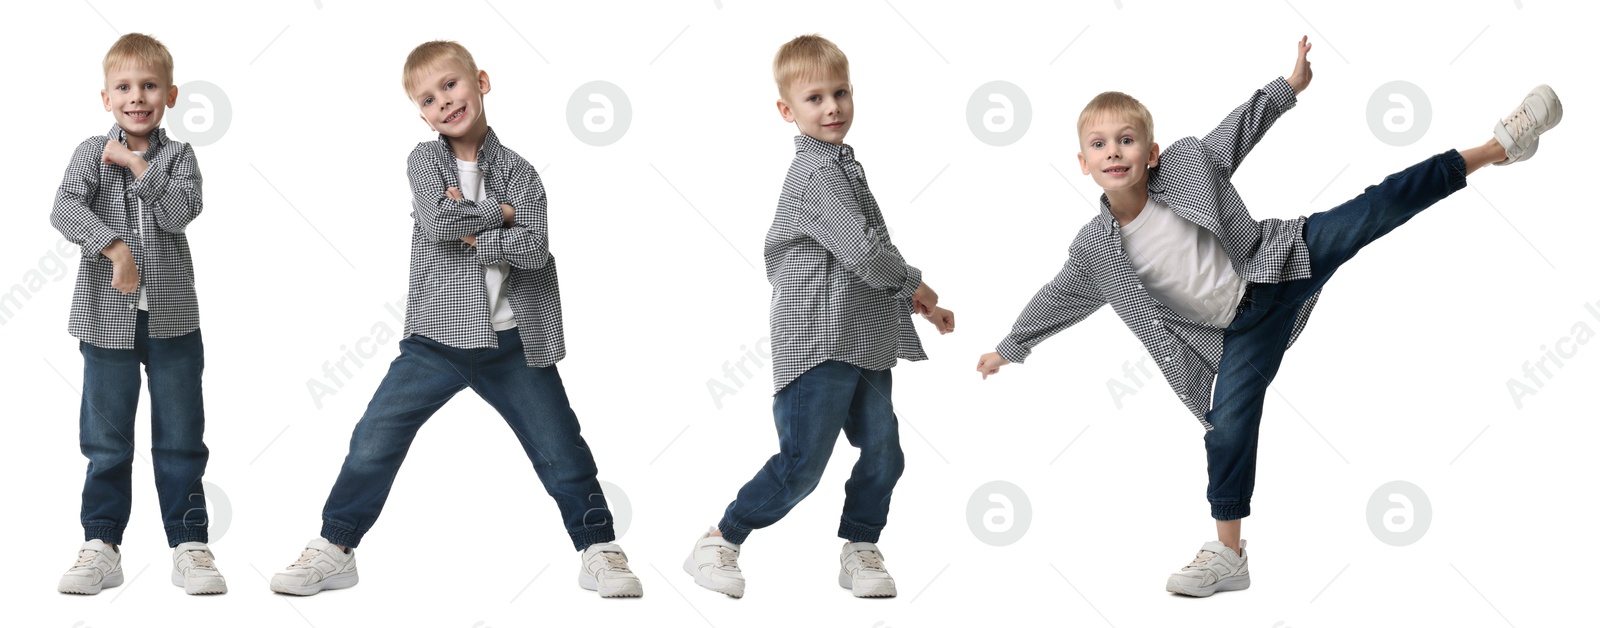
column 1182, row 265
column 144, row 300
column 494, row 275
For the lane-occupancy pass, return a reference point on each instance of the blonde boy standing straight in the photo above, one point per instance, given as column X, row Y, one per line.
column 127, row 198
column 842, row 298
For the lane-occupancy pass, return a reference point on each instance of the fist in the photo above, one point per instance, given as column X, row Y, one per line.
column 116, row 154
column 990, row 364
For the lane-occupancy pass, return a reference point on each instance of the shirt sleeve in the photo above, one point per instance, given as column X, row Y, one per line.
column 1071, row 297
column 170, row 187
column 73, row 213
column 440, row 217
column 830, row 215
column 526, row 243
column 1232, row 140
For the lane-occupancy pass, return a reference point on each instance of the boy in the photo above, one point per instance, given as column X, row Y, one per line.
column 1210, row 291
column 842, row 297
column 483, row 312
column 126, row 199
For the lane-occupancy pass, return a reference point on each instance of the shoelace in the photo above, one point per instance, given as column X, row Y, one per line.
column 870, row 560
column 85, row 559
column 1201, row 559
column 305, row 559
column 727, row 558
column 201, row 559
column 1519, row 122
column 616, row 561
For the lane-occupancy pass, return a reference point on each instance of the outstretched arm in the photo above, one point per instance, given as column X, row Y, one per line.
column 1232, row 140
column 1071, row 297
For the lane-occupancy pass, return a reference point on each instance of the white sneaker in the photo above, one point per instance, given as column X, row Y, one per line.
column 322, row 566
column 1519, row 132
column 1214, row 568
column 99, row 567
column 714, row 563
column 195, row 569
column 605, row 569
column 861, row 571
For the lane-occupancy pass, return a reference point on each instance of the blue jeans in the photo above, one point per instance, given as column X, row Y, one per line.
column 810, row 413
column 177, row 426
column 1254, row 343
column 419, row 382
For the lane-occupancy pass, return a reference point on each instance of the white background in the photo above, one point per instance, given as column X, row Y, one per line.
column 1402, row 374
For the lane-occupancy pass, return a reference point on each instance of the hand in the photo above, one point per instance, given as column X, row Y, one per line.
column 124, row 273
column 453, row 193
column 924, row 300
column 471, row 240
column 944, row 320
column 1300, row 78
column 117, row 154
column 510, row 214
column 990, row 364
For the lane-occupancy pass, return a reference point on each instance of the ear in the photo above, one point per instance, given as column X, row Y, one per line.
column 1155, row 155
column 1083, row 164
column 783, row 110
column 172, row 97
column 105, row 100
column 483, row 82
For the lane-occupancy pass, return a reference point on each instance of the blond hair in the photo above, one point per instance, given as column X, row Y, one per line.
column 433, row 54
column 808, row 56
column 1121, row 105
column 139, row 49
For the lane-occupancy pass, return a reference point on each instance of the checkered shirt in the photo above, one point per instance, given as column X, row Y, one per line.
column 840, row 288
column 98, row 203
column 1193, row 178
column 447, row 300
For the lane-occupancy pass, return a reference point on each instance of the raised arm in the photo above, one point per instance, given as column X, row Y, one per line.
column 72, row 214
column 1071, row 297
column 830, row 215
column 1228, row 144
column 441, row 217
column 526, row 242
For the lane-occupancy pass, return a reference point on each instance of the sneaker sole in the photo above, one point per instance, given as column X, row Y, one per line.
column 631, row 589
column 208, row 588
column 692, row 569
column 1230, row 583
column 333, row 583
column 112, row 580
column 882, row 589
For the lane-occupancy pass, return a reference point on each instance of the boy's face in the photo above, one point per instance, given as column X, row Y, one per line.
column 820, row 106
column 1116, row 153
column 450, row 98
column 137, row 96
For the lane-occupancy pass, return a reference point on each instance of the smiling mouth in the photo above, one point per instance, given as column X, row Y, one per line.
column 456, row 115
column 1116, row 170
column 834, row 125
column 138, row 116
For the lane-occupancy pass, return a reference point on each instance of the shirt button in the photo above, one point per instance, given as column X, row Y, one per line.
column 1182, row 396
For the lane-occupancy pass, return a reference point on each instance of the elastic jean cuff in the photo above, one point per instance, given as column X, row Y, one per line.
column 857, row 533
column 1457, row 166
column 186, row 533
column 1230, row 511
column 585, row 537
column 732, row 533
column 340, row 535
column 106, row 533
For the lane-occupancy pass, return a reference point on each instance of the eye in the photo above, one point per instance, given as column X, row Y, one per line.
column 427, row 101
column 814, row 98
column 1127, row 140
column 1096, row 144
column 149, row 85
column 450, row 84
column 840, row 94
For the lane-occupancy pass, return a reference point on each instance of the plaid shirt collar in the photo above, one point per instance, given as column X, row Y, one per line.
column 157, row 137
column 833, row 152
column 1153, row 187
column 486, row 153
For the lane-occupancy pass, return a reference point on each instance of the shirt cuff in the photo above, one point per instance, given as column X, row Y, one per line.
column 99, row 238
column 490, row 249
column 150, row 187
column 912, row 281
column 1281, row 93
column 1012, row 352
